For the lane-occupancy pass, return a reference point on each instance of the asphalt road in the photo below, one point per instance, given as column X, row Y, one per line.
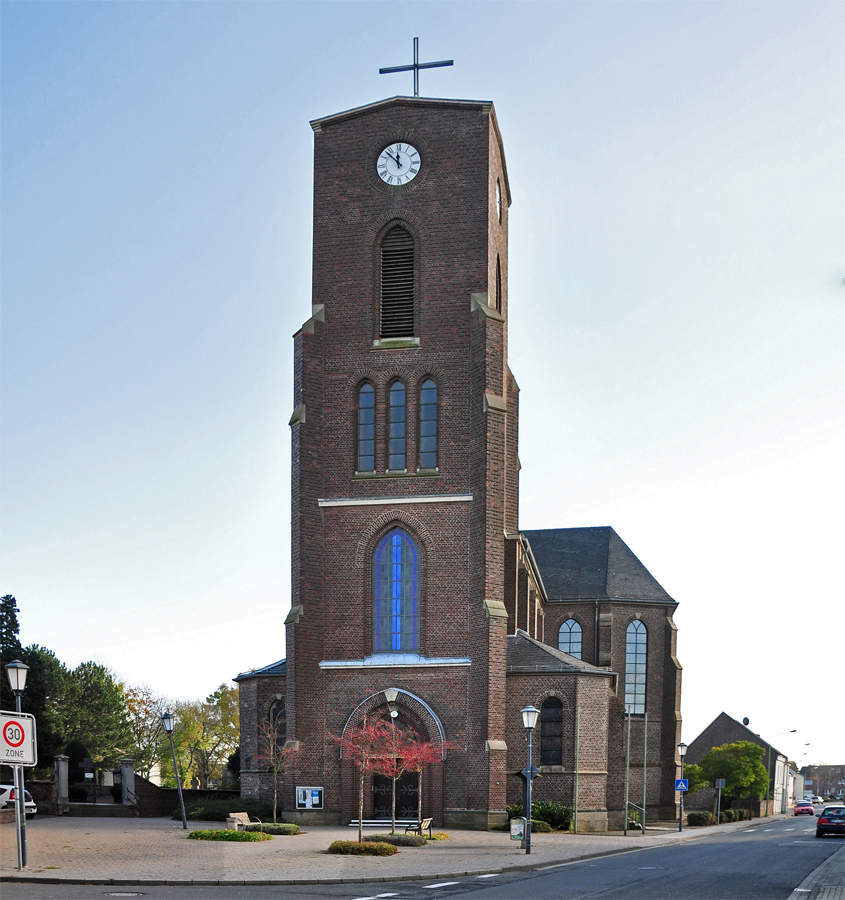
column 761, row 863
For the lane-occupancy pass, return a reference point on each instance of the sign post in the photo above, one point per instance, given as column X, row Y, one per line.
column 720, row 783
column 18, row 749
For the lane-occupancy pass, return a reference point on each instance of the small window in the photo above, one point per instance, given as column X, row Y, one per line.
column 635, row 668
column 397, row 284
column 396, row 428
column 366, row 428
column 396, row 614
column 569, row 638
column 428, row 425
column 551, row 732
column 498, row 284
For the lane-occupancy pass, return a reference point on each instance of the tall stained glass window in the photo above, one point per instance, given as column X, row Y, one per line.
column 569, row 638
column 551, row 732
column 635, row 668
column 396, row 427
column 428, row 425
column 366, row 428
column 396, row 600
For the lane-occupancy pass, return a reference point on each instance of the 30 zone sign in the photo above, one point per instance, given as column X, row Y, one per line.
column 17, row 739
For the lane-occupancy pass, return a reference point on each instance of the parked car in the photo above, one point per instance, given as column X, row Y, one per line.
column 831, row 821
column 804, row 808
column 817, row 799
column 7, row 800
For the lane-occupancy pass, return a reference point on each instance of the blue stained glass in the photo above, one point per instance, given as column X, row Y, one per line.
column 396, row 594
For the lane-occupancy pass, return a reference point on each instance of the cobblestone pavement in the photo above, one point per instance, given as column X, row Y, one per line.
column 157, row 851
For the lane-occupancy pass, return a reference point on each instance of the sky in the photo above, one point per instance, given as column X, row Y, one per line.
column 676, row 306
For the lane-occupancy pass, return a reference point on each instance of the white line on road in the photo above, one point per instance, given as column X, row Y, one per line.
column 491, row 875
column 442, row 884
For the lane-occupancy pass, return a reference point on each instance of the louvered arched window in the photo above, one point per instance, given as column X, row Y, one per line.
column 636, row 646
column 569, row 638
column 397, row 284
column 396, row 600
column 428, row 425
column 551, row 732
column 366, row 428
column 396, row 427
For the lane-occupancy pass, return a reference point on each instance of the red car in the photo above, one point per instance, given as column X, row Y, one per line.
column 804, row 808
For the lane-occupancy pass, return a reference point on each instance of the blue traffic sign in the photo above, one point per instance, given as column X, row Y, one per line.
column 682, row 784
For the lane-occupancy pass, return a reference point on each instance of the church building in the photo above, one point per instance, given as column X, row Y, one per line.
column 415, row 596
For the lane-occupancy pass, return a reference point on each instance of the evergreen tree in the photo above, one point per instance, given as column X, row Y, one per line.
column 10, row 646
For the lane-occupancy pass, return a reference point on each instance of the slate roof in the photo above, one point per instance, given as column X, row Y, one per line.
column 276, row 668
column 590, row 563
column 526, row 654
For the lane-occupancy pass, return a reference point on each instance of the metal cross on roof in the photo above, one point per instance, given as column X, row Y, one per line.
column 416, row 66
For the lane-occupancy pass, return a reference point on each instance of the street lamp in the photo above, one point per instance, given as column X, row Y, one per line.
column 17, row 672
column 167, row 721
column 769, row 778
column 682, row 752
column 530, row 715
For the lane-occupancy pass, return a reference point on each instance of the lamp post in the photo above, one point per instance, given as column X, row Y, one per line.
column 529, row 720
column 769, row 778
column 167, row 721
column 17, row 672
column 682, row 752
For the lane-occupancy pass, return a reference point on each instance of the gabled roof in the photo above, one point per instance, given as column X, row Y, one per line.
column 725, row 730
column 590, row 563
column 274, row 669
column 526, row 654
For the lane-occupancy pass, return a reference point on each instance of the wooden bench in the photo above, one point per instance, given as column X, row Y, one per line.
column 381, row 823
column 238, row 821
column 419, row 827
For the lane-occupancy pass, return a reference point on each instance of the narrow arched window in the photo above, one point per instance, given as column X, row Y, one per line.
column 551, row 732
column 396, row 601
column 498, row 283
column 397, row 284
column 428, row 425
column 366, row 428
column 396, row 427
column 569, row 638
column 635, row 668
column 279, row 723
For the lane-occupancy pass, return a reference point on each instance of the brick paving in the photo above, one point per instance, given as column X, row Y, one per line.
column 157, row 850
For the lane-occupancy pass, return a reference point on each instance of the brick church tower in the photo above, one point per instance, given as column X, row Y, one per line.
column 414, row 595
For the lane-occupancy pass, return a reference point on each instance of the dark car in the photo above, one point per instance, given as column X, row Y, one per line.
column 831, row 821
column 804, row 808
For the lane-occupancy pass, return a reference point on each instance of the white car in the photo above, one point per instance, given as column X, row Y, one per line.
column 7, row 800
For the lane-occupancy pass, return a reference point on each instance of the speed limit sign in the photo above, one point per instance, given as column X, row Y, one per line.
column 17, row 739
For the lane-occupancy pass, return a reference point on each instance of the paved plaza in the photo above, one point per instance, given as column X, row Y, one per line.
column 146, row 851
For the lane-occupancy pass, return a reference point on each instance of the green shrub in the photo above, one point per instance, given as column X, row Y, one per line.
column 279, row 828
column 399, row 840
column 556, row 814
column 743, row 814
column 225, row 834
column 514, row 810
column 366, row 848
column 538, row 826
column 723, row 817
column 438, row 836
column 218, row 810
column 505, row 827
column 700, row 818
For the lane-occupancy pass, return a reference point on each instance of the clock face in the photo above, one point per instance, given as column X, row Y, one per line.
column 398, row 164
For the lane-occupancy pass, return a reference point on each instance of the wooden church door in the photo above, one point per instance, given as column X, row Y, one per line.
column 407, row 790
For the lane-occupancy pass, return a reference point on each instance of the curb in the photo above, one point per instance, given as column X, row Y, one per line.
column 682, row 837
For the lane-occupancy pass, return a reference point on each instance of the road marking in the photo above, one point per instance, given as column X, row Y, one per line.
column 789, row 829
column 442, row 884
column 387, row 895
column 491, row 875
column 768, row 829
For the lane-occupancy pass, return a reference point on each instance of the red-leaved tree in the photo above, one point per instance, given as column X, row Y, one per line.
column 418, row 755
column 365, row 746
column 276, row 758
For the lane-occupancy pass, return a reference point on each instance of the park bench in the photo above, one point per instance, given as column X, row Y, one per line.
column 419, row 827
column 238, row 821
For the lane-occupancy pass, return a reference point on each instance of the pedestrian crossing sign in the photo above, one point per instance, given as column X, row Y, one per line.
column 682, row 784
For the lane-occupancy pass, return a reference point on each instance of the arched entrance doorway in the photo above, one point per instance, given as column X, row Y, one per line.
column 412, row 715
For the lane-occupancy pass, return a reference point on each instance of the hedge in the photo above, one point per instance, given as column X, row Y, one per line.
column 399, row 840
column 701, row 818
column 270, row 828
column 365, row 848
column 226, row 834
